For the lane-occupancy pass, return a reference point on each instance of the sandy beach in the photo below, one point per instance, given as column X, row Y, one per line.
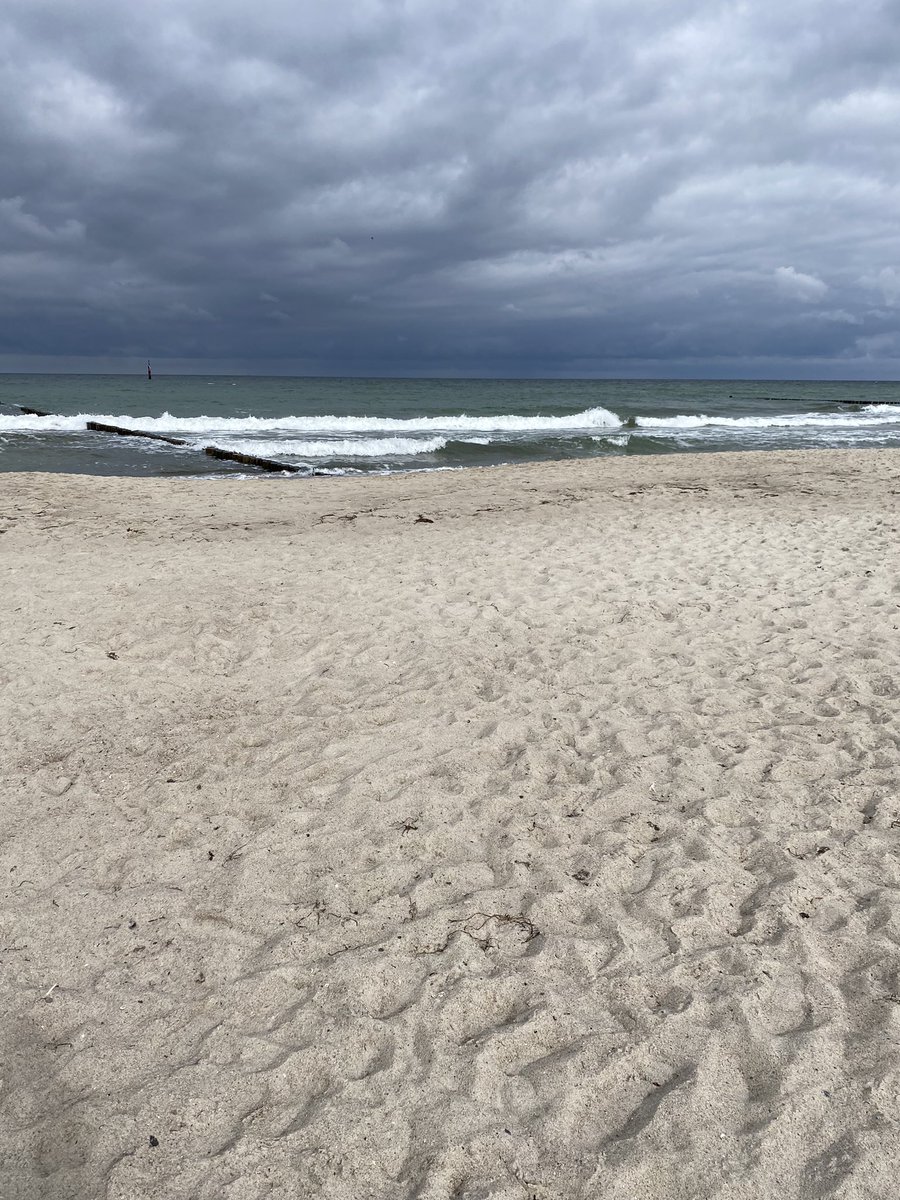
column 527, row 833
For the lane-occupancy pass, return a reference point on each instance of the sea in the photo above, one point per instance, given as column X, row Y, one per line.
column 383, row 426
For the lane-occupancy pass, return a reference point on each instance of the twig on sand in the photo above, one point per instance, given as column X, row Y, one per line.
column 518, row 920
column 48, row 995
column 467, row 926
column 319, row 911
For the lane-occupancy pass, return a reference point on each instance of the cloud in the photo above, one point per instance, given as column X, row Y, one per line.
column 589, row 187
column 19, row 226
column 887, row 282
column 799, row 285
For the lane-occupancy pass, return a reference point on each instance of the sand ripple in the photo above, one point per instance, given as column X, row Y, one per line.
column 546, row 849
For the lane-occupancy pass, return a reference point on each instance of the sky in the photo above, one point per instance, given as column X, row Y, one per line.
column 426, row 187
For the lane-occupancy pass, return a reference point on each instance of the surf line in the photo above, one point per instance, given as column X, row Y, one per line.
column 248, row 460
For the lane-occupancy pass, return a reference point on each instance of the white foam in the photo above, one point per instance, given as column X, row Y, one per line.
column 787, row 421
column 22, row 423
column 333, row 448
column 591, row 418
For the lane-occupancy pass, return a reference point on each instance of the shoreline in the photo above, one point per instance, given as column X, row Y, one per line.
column 594, row 473
column 523, row 830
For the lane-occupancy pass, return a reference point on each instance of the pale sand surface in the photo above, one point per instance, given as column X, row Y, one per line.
column 546, row 850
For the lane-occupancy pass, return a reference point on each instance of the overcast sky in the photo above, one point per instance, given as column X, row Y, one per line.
column 514, row 187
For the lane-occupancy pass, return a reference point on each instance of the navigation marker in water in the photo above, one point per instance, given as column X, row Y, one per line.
column 149, row 372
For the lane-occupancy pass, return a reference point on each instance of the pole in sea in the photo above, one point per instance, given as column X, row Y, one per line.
column 149, row 372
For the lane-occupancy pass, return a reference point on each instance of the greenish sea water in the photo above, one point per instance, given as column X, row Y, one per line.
column 352, row 426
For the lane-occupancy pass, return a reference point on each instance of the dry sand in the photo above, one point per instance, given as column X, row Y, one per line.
column 546, row 848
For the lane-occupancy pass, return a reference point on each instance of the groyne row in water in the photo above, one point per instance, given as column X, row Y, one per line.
column 247, row 460
column 843, row 400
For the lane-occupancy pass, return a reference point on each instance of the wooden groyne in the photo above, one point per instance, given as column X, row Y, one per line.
column 252, row 460
column 236, row 456
column 121, row 431
column 823, row 400
column 896, row 403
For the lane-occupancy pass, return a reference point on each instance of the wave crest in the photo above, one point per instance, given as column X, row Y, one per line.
column 335, row 448
column 591, row 418
column 788, row 421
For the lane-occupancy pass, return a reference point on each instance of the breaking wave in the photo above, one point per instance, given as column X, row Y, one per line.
column 881, row 414
column 395, row 447
column 591, row 418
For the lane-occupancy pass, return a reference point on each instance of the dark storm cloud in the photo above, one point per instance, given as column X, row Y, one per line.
column 421, row 186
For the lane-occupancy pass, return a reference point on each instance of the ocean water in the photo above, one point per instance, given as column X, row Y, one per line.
column 358, row 426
